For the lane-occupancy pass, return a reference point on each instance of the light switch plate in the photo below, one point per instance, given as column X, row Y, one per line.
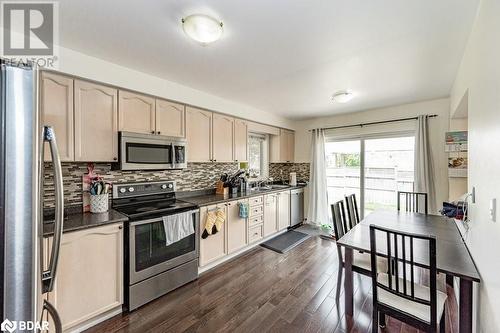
column 493, row 209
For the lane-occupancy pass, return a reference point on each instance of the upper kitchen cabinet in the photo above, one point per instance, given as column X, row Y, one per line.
column 222, row 138
column 96, row 122
column 283, row 147
column 136, row 113
column 240, row 140
column 198, row 134
column 170, row 118
column 56, row 104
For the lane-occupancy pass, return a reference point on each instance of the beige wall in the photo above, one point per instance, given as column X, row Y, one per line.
column 438, row 127
column 479, row 73
column 75, row 63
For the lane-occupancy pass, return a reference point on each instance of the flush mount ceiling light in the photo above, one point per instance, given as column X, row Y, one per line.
column 342, row 96
column 202, row 28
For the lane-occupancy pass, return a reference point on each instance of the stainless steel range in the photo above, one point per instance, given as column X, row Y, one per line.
column 155, row 265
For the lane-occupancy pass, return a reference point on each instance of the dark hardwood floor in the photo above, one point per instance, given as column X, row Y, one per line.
column 263, row 291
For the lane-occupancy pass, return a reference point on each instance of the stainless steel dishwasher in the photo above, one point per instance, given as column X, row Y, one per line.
column 296, row 207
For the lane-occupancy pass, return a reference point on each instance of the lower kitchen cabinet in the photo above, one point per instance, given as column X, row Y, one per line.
column 236, row 227
column 89, row 280
column 283, row 210
column 270, row 214
column 213, row 247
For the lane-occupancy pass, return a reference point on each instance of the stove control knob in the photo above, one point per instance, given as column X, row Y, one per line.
column 164, row 186
column 170, row 185
column 123, row 190
column 131, row 189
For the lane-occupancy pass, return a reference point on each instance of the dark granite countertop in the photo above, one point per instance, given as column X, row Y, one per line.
column 211, row 198
column 79, row 221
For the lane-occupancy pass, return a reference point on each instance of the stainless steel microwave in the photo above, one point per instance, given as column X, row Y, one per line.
column 151, row 152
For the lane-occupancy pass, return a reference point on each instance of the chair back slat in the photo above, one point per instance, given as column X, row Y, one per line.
column 340, row 226
column 352, row 209
column 412, row 201
column 399, row 249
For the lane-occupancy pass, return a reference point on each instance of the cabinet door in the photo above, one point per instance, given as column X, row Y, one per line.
column 236, row 227
column 240, row 140
column 214, row 246
column 287, row 145
column 222, row 138
column 96, row 123
column 56, row 106
column 270, row 214
column 89, row 278
column 283, row 210
column 170, row 118
column 198, row 134
column 136, row 113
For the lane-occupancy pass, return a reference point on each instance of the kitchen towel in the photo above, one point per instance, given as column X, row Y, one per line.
column 209, row 224
column 219, row 221
column 177, row 227
column 243, row 210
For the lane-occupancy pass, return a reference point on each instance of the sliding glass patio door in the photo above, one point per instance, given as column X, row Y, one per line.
column 373, row 168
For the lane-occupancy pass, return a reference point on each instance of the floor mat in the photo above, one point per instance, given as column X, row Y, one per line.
column 285, row 242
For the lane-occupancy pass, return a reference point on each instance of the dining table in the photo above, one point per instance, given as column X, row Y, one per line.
column 452, row 255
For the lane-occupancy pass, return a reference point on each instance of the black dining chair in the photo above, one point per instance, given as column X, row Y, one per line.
column 361, row 261
column 412, row 202
column 352, row 209
column 396, row 293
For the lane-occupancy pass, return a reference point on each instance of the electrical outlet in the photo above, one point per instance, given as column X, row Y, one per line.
column 493, row 209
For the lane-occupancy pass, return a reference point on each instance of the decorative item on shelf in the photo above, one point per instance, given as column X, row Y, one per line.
column 456, row 146
column 99, row 191
column 456, row 141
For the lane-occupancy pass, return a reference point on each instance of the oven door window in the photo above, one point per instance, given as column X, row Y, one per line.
column 143, row 153
column 151, row 248
column 180, row 154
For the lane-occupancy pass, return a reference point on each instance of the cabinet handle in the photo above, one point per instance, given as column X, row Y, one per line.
column 158, row 132
column 215, row 160
column 152, row 132
column 115, row 158
column 120, row 227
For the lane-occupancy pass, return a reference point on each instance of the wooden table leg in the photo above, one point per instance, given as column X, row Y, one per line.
column 348, row 282
column 465, row 306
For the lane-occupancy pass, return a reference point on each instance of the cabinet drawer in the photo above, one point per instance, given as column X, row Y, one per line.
column 256, row 220
column 256, row 210
column 256, row 201
column 254, row 233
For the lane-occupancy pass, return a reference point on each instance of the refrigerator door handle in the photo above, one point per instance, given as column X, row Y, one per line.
column 56, row 320
column 48, row 276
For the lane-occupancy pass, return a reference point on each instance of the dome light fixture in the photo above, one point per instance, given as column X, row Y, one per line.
column 342, row 96
column 202, row 28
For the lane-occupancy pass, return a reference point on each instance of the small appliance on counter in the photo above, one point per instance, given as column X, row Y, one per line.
column 156, row 263
column 293, row 179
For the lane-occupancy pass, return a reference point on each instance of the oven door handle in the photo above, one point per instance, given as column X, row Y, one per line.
column 159, row 219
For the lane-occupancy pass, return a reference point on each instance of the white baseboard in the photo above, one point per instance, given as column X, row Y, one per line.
column 96, row 320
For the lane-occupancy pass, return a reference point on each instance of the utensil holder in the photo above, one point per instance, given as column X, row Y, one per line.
column 99, row 203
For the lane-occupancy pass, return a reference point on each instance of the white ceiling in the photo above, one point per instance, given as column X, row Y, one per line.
column 284, row 56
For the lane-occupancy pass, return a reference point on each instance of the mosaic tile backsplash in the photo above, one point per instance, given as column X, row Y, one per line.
column 281, row 171
column 196, row 176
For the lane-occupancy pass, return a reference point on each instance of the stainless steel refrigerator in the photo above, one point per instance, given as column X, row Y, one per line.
column 24, row 280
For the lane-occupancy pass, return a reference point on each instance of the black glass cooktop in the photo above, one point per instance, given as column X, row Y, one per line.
column 149, row 208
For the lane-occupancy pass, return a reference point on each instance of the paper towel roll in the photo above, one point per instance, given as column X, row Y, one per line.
column 293, row 179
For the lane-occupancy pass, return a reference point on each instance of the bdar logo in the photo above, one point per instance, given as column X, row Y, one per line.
column 8, row 326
